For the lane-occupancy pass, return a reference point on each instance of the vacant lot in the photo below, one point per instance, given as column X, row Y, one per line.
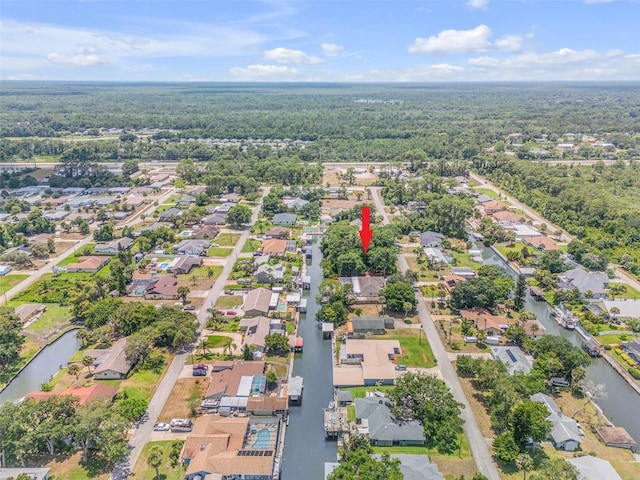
column 228, row 301
column 142, row 471
column 71, row 468
column 334, row 203
column 416, row 351
column 227, row 239
column 9, row 281
column 331, row 176
column 186, row 393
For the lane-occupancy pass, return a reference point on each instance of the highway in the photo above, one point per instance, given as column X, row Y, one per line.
column 477, row 442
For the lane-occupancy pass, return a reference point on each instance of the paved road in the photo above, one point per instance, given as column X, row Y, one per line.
column 143, row 433
column 48, row 268
column 477, row 442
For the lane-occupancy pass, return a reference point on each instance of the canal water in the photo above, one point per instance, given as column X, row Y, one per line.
column 42, row 368
column 622, row 404
column 305, row 449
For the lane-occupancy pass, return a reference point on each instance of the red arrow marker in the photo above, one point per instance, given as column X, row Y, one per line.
column 365, row 233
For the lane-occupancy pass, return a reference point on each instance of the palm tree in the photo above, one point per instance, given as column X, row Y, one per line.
column 154, row 459
column 524, row 462
column 183, row 292
column 615, row 311
column 87, row 361
column 202, row 345
column 82, row 335
column 74, row 369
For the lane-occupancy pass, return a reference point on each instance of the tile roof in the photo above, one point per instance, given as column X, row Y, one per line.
column 97, row 391
column 225, row 382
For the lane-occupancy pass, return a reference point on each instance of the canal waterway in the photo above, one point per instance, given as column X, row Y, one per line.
column 42, row 368
column 622, row 404
column 305, row 449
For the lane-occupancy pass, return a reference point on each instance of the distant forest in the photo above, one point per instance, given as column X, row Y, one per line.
column 342, row 122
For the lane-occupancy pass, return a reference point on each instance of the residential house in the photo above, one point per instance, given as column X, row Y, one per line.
column 135, row 201
column 435, row 255
column 231, row 197
column 215, row 219
column 513, row 358
column 627, row 308
column 593, row 468
column 259, row 301
column 257, row 328
column 90, row 264
column 484, row 320
column 361, row 326
column 533, row 329
column 85, row 395
column 4, row 269
column 482, row 198
column 115, row 246
column 274, row 247
column 33, row 473
column 287, row 219
column 18, row 249
column 266, row 273
column 114, row 364
column 27, row 311
column 466, row 272
column 120, row 215
column 104, row 201
column 366, row 362
column 193, row 247
column 506, row 218
column 56, row 215
column 186, row 200
column 374, row 418
column 366, row 287
column 267, row 406
column 542, row 243
column 416, row 467
column 185, row 264
column 295, row 204
column 227, row 375
column 431, row 239
column 522, row 231
column 164, row 288
column 493, row 206
column 206, row 232
column 278, row 232
column 228, row 448
column 565, row 431
column 119, row 190
column 168, row 215
column 450, row 281
column 594, row 282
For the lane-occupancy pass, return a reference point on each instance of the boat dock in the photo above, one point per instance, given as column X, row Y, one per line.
column 336, row 423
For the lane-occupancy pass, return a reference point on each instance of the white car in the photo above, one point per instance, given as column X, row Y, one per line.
column 161, row 427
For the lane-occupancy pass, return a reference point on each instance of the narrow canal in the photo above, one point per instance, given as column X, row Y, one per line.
column 305, row 449
column 622, row 403
column 42, row 368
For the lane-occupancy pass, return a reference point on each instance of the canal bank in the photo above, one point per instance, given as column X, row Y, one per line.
column 622, row 403
column 305, row 449
column 42, row 367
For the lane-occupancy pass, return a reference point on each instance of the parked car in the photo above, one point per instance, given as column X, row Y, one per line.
column 228, row 292
column 161, row 427
column 215, row 245
column 189, row 308
column 401, row 367
column 471, row 339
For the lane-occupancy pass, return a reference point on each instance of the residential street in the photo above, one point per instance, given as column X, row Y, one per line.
column 143, row 433
column 477, row 442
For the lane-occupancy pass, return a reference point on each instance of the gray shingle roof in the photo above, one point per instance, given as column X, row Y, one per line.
column 382, row 425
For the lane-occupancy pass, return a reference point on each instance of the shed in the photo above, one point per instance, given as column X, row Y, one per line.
column 616, row 437
column 294, row 390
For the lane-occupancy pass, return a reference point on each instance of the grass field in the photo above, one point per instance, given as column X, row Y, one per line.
column 142, row 471
column 416, row 351
column 203, row 272
column 630, row 293
column 227, row 239
column 9, row 281
column 142, row 383
column 463, row 260
column 217, row 341
column 486, row 191
column 251, row 245
column 219, row 251
column 228, row 301
column 74, row 258
column 360, row 392
column 71, row 468
column 54, row 316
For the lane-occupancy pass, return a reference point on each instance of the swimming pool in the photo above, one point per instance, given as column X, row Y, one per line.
column 185, row 233
column 282, row 307
column 263, row 441
column 139, row 291
column 164, row 265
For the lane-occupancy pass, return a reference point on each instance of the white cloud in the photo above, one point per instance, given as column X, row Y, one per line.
column 478, row 4
column 454, row 41
column 591, row 2
column 331, row 49
column 80, row 60
column 22, row 76
column 467, row 41
column 265, row 72
column 288, row 56
column 563, row 64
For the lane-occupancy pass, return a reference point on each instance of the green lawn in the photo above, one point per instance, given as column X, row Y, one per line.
column 231, row 326
column 227, row 239
column 416, row 349
column 228, row 301
column 9, row 281
column 50, row 288
column 142, row 471
column 360, row 392
column 290, row 327
column 464, row 260
column 251, row 245
column 630, row 293
column 504, row 249
column 54, row 316
column 203, row 272
column 219, row 252
column 74, row 258
column 464, row 450
column 613, row 339
column 486, row 191
column 217, row 341
column 351, row 413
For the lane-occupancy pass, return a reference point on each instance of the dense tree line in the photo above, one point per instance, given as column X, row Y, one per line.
column 491, row 287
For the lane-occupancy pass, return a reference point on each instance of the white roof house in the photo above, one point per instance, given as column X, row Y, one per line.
column 593, row 468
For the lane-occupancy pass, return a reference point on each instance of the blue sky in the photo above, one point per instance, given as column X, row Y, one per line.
column 320, row 40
